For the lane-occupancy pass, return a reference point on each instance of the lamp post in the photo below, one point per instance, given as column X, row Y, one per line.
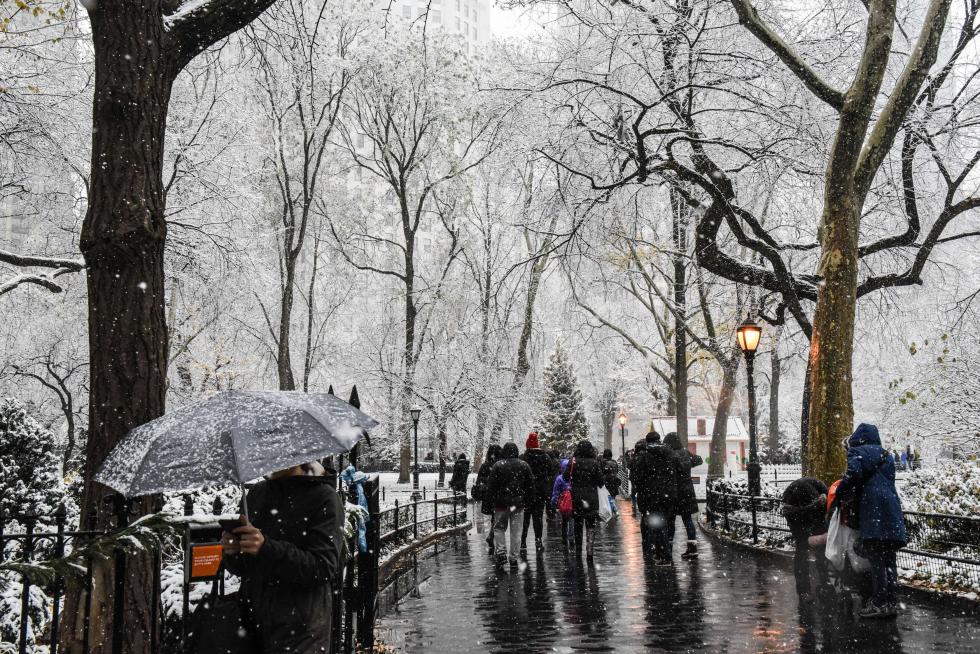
column 416, row 413
column 622, row 434
column 748, row 335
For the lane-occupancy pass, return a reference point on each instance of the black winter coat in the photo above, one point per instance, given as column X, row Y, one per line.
column 481, row 488
column 511, row 484
column 585, row 474
column 687, row 499
column 541, row 467
column 610, row 473
column 805, row 507
column 657, row 476
column 286, row 589
column 461, row 472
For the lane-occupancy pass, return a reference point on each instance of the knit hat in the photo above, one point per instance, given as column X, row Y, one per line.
column 532, row 440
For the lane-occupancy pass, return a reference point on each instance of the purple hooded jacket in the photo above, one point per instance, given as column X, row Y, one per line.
column 560, row 485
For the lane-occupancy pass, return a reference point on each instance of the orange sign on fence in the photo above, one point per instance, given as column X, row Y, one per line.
column 204, row 561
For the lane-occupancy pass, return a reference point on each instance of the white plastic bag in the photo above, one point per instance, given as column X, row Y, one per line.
column 836, row 542
column 841, row 543
column 605, row 511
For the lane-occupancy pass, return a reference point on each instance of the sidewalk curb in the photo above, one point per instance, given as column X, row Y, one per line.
column 786, row 560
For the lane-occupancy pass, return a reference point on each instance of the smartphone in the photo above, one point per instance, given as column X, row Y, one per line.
column 230, row 525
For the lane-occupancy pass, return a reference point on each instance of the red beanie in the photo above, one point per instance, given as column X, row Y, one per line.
column 532, row 440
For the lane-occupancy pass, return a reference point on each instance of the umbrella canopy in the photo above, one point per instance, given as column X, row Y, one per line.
column 232, row 437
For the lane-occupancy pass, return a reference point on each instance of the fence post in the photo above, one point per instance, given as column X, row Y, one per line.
column 396, row 518
column 186, row 590
column 724, row 509
column 455, row 503
column 59, row 582
column 415, row 519
column 755, row 524
column 25, row 597
column 91, row 522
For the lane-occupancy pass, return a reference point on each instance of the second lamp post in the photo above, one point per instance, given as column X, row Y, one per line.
column 416, row 413
column 749, row 334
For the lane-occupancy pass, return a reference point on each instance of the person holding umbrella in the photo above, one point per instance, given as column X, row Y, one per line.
column 289, row 556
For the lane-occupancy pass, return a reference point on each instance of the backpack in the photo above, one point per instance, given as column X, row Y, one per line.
column 565, row 499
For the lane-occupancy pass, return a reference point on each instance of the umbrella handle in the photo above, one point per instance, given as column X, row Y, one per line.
column 245, row 504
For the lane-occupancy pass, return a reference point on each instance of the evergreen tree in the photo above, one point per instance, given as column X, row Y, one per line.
column 564, row 412
column 30, row 469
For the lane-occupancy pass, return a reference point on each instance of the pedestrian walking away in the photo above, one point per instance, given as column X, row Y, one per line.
column 461, row 473
column 882, row 527
column 481, row 487
column 541, row 467
column 561, row 501
column 289, row 556
column 657, row 473
column 805, row 509
column 687, row 499
column 512, row 488
column 638, row 449
column 585, row 476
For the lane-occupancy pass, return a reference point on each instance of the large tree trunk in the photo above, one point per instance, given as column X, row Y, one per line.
column 679, row 233
column 411, row 315
column 719, row 434
column 774, row 379
column 832, row 344
column 122, row 239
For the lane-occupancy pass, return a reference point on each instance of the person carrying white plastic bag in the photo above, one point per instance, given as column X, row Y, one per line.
column 605, row 505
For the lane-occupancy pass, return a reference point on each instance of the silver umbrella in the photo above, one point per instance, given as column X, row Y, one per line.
column 232, row 437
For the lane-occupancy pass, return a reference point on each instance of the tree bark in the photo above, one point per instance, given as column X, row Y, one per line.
column 679, row 233
column 775, row 373
column 122, row 240
column 719, row 433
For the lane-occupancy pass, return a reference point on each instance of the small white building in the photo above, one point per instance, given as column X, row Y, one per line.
column 699, row 430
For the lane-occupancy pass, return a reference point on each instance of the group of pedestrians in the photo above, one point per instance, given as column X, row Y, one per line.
column 518, row 490
column 662, row 489
column 853, row 529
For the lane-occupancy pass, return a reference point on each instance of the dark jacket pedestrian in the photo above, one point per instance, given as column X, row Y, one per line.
column 541, row 466
column 638, row 449
column 805, row 510
column 870, row 477
column 461, row 472
column 871, row 471
column 511, row 480
column 610, row 473
column 657, row 477
column 481, row 486
column 687, row 499
column 287, row 586
column 585, row 475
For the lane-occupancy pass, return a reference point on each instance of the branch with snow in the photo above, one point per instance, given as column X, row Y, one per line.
column 47, row 280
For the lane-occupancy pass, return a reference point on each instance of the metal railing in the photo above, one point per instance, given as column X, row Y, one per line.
column 38, row 538
column 941, row 549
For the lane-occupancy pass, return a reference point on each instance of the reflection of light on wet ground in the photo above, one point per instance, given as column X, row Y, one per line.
column 728, row 601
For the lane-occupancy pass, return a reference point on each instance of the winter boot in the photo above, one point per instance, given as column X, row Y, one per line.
column 692, row 550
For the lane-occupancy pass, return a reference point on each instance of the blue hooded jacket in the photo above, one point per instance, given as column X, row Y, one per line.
column 871, row 473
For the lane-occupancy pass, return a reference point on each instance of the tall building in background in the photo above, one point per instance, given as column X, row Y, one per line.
column 469, row 19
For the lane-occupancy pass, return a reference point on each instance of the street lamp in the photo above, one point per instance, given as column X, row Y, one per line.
column 622, row 434
column 415, row 412
column 748, row 336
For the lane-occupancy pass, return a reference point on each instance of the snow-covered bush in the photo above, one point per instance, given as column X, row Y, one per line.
column 950, row 487
column 30, row 471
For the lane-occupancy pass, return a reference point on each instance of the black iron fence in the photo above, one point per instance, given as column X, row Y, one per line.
column 942, row 549
column 37, row 538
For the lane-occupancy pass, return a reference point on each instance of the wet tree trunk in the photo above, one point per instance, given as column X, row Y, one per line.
column 679, row 232
column 123, row 240
column 719, row 433
column 774, row 379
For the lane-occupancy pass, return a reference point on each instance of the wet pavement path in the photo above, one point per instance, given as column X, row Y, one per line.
column 727, row 601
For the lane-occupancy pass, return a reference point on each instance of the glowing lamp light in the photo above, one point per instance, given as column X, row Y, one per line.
column 622, row 418
column 748, row 335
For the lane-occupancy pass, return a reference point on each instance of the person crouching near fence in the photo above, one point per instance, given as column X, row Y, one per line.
column 871, row 477
column 805, row 509
column 290, row 557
